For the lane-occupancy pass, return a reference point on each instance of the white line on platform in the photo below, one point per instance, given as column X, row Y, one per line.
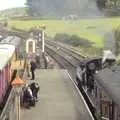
column 80, row 95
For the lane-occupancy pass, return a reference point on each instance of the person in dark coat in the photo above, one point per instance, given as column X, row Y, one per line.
column 90, row 84
column 28, row 97
column 46, row 60
column 35, row 88
column 33, row 67
column 37, row 57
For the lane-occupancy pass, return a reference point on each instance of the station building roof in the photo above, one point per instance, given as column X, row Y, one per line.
column 13, row 40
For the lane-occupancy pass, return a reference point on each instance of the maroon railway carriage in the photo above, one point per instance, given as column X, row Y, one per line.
column 6, row 56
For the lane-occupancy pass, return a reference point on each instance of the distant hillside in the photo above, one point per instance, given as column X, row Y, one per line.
column 20, row 11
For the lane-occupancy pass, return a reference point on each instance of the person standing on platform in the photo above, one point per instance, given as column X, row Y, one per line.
column 33, row 67
column 28, row 68
column 46, row 61
column 29, row 58
column 37, row 57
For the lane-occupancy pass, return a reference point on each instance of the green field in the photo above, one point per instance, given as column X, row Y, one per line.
column 91, row 29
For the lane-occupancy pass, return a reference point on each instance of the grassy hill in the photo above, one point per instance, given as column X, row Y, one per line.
column 19, row 11
column 91, row 29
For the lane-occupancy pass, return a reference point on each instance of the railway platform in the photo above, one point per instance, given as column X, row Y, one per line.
column 59, row 99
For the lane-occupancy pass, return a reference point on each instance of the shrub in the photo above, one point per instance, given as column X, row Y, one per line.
column 72, row 40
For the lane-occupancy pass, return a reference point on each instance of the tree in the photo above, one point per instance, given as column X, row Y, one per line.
column 63, row 7
column 30, row 9
column 101, row 4
column 116, row 3
column 117, row 41
column 33, row 7
column 113, row 3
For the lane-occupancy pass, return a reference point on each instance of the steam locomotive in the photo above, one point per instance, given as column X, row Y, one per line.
column 100, row 87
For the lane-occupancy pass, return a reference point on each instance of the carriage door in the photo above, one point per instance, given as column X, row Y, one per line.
column 30, row 46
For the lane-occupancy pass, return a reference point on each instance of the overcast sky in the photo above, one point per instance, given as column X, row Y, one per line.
column 4, row 4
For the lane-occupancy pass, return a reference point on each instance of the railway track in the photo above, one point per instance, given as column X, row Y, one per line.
column 76, row 53
column 65, row 57
column 72, row 56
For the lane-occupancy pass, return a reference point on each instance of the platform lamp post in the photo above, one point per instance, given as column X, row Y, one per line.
column 17, row 86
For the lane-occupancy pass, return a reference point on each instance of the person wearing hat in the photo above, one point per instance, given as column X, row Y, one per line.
column 35, row 88
column 28, row 97
column 108, row 58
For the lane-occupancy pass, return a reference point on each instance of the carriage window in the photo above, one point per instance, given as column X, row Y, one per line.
column 118, row 116
column 105, row 109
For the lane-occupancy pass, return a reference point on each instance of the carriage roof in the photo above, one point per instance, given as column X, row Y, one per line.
column 6, row 52
column 88, row 60
column 96, row 61
column 109, row 80
column 13, row 40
